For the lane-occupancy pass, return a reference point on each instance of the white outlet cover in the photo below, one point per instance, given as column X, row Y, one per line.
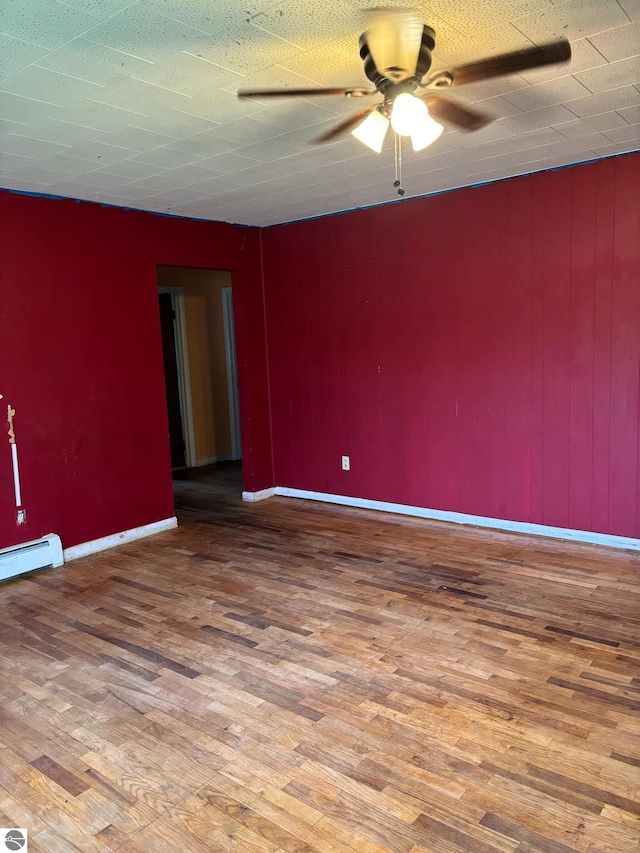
column 346, row 463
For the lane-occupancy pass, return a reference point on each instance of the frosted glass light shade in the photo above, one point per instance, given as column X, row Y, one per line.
column 427, row 132
column 407, row 113
column 410, row 117
column 372, row 130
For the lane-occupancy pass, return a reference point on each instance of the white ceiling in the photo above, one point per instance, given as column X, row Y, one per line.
column 133, row 103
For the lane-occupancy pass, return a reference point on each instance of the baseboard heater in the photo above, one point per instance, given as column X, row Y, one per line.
column 29, row 556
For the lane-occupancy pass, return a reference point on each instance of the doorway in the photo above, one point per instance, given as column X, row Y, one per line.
column 198, row 339
column 175, row 404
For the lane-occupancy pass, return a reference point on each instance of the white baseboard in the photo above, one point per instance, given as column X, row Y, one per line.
column 95, row 545
column 461, row 518
column 259, row 496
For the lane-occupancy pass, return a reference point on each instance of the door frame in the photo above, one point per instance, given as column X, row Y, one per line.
column 232, row 372
column 184, row 377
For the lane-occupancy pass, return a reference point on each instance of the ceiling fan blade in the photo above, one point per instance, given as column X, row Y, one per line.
column 512, row 63
column 394, row 39
column 349, row 92
column 345, row 125
column 455, row 113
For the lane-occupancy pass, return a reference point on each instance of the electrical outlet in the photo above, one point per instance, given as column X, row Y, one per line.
column 346, row 463
column 21, row 516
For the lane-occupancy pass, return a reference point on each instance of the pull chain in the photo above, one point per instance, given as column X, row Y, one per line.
column 397, row 151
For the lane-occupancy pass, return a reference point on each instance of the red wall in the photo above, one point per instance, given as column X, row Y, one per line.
column 81, row 361
column 477, row 351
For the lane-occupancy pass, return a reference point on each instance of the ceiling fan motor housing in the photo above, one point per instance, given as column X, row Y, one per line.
column 378, row 78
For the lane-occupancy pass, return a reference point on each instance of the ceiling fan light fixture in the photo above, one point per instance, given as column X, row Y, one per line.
column 372, row 130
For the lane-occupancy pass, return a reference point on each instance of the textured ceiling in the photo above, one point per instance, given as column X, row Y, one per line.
column 133, row 103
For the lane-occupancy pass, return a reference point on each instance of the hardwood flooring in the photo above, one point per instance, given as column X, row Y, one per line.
column 289, row 677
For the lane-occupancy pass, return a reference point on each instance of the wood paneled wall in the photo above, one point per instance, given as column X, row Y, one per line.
column 477, row 351
column 82, row 359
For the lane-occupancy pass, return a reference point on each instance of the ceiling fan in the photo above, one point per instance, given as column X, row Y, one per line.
column 397, row 53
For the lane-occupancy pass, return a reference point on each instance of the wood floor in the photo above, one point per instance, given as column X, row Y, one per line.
column 292, row 677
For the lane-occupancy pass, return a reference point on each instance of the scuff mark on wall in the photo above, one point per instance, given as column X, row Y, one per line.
column 10, row 415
